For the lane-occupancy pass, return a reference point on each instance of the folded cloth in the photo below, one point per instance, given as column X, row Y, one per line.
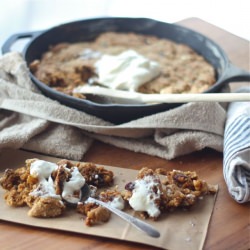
column 30, row 120
column 236, row 162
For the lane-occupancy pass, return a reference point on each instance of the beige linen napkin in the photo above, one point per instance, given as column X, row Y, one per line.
column 30, row 120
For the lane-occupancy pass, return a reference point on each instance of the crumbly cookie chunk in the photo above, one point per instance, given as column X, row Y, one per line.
column 18, row 184
column 60, row 176
column 94, row 175
column 146, row 194
column 46, row 207
column 94, row 213
column 183, row 188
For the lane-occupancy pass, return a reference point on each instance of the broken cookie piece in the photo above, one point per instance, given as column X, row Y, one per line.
column 146, row 193
column 94, row 213
column 46, row 207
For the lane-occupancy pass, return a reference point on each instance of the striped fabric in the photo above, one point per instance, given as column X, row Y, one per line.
column 236, row 162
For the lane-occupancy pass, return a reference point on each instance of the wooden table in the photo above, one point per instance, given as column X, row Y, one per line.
column 229, row 226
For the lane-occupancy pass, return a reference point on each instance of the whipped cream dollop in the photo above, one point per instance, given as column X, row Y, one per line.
column 143, row 196
column 126, row 71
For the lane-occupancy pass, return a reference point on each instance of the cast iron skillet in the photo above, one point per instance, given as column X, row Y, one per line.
column 89, row 29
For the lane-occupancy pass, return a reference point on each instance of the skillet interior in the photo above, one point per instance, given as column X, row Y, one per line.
column 87, row 30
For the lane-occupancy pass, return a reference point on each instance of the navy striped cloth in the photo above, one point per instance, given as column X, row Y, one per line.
column 236, row 161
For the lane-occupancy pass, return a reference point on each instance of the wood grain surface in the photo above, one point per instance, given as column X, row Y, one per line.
column 229, row 225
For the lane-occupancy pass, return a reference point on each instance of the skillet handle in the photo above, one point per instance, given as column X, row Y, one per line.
column 14, row 38
column 235, row 74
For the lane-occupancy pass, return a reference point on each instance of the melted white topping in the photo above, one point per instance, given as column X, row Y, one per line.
column 126, row 71
column 75, row 183
column 118, row 203
column 45, row 188
column 143, row 197
column 43, row 170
